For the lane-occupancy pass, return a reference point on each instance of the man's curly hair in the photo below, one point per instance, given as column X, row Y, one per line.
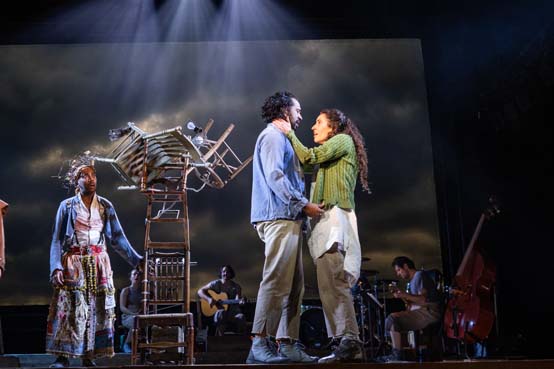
column 277, row 105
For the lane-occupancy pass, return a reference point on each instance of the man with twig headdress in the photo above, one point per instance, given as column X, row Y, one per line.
column 81, row 316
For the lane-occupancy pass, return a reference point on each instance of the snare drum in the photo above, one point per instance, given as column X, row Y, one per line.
column 313, row 333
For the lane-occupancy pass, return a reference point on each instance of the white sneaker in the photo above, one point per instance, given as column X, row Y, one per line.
column 262, row 352
column 295, row 352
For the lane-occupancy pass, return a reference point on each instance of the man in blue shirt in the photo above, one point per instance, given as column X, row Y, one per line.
column 278, row 210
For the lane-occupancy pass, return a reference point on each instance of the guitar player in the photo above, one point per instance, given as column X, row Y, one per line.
column 221, row 289
column 422, row 305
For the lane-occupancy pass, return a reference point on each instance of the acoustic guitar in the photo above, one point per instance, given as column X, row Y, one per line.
column 209, row 311
column 393, row 287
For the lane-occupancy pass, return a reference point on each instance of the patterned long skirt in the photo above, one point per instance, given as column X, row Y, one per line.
column 81, row 317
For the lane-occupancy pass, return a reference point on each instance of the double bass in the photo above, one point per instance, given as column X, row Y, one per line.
column 469, row 314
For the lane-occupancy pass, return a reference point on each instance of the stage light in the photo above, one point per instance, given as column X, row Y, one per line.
column 193, row 127
column 198, row 139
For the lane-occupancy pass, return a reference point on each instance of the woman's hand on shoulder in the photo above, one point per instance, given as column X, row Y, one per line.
column 282, row 125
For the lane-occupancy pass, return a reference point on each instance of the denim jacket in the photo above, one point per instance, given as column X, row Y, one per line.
column 278, row 181
column 64, row 230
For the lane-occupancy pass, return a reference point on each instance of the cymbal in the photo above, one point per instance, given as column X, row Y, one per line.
column 369, row 272
column 366, row 258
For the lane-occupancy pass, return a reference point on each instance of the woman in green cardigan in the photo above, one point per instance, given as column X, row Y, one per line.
column 333, row 242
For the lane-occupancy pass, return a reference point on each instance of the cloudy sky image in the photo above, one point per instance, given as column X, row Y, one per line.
column 58, row 100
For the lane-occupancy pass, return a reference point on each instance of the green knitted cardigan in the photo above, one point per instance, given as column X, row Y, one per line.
column 338, row 169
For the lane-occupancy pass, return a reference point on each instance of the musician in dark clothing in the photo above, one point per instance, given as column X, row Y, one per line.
column 422, row 305
column 233, row 313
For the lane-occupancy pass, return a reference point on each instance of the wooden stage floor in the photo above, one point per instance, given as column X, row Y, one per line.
column 123, row 360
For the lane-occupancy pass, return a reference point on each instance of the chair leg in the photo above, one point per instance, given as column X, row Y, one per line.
column 134, row 346
column 190, row 344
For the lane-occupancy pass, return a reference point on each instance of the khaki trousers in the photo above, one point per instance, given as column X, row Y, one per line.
column 282, row 286
column 412, row 320
column 335, row 295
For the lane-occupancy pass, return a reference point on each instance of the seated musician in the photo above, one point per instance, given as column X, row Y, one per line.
column 224, row 296
column 423, row 305
column 130, row 305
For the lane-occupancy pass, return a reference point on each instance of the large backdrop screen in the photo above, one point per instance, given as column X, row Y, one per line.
column 57, row 100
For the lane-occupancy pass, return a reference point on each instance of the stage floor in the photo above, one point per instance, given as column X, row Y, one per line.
column 123, row 361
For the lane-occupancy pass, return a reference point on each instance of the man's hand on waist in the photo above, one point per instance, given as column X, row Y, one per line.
column 313, row 210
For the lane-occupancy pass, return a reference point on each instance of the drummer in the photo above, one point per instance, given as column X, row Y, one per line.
column 423, row 305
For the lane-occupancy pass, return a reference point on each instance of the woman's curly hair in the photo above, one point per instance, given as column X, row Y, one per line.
column 277, row 105
column 340, row 123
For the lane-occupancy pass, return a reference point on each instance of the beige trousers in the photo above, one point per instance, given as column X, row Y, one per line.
column 335, row 295
column 282, row 286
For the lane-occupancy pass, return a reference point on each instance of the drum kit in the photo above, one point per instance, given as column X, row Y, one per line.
column 370, row 295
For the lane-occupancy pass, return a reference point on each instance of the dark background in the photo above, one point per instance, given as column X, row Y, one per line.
column 490, row 72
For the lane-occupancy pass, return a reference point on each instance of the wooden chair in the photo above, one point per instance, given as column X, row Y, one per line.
column 145, row 343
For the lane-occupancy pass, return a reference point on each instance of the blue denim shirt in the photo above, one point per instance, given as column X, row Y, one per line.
column 64, row 229
column 278, row 181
